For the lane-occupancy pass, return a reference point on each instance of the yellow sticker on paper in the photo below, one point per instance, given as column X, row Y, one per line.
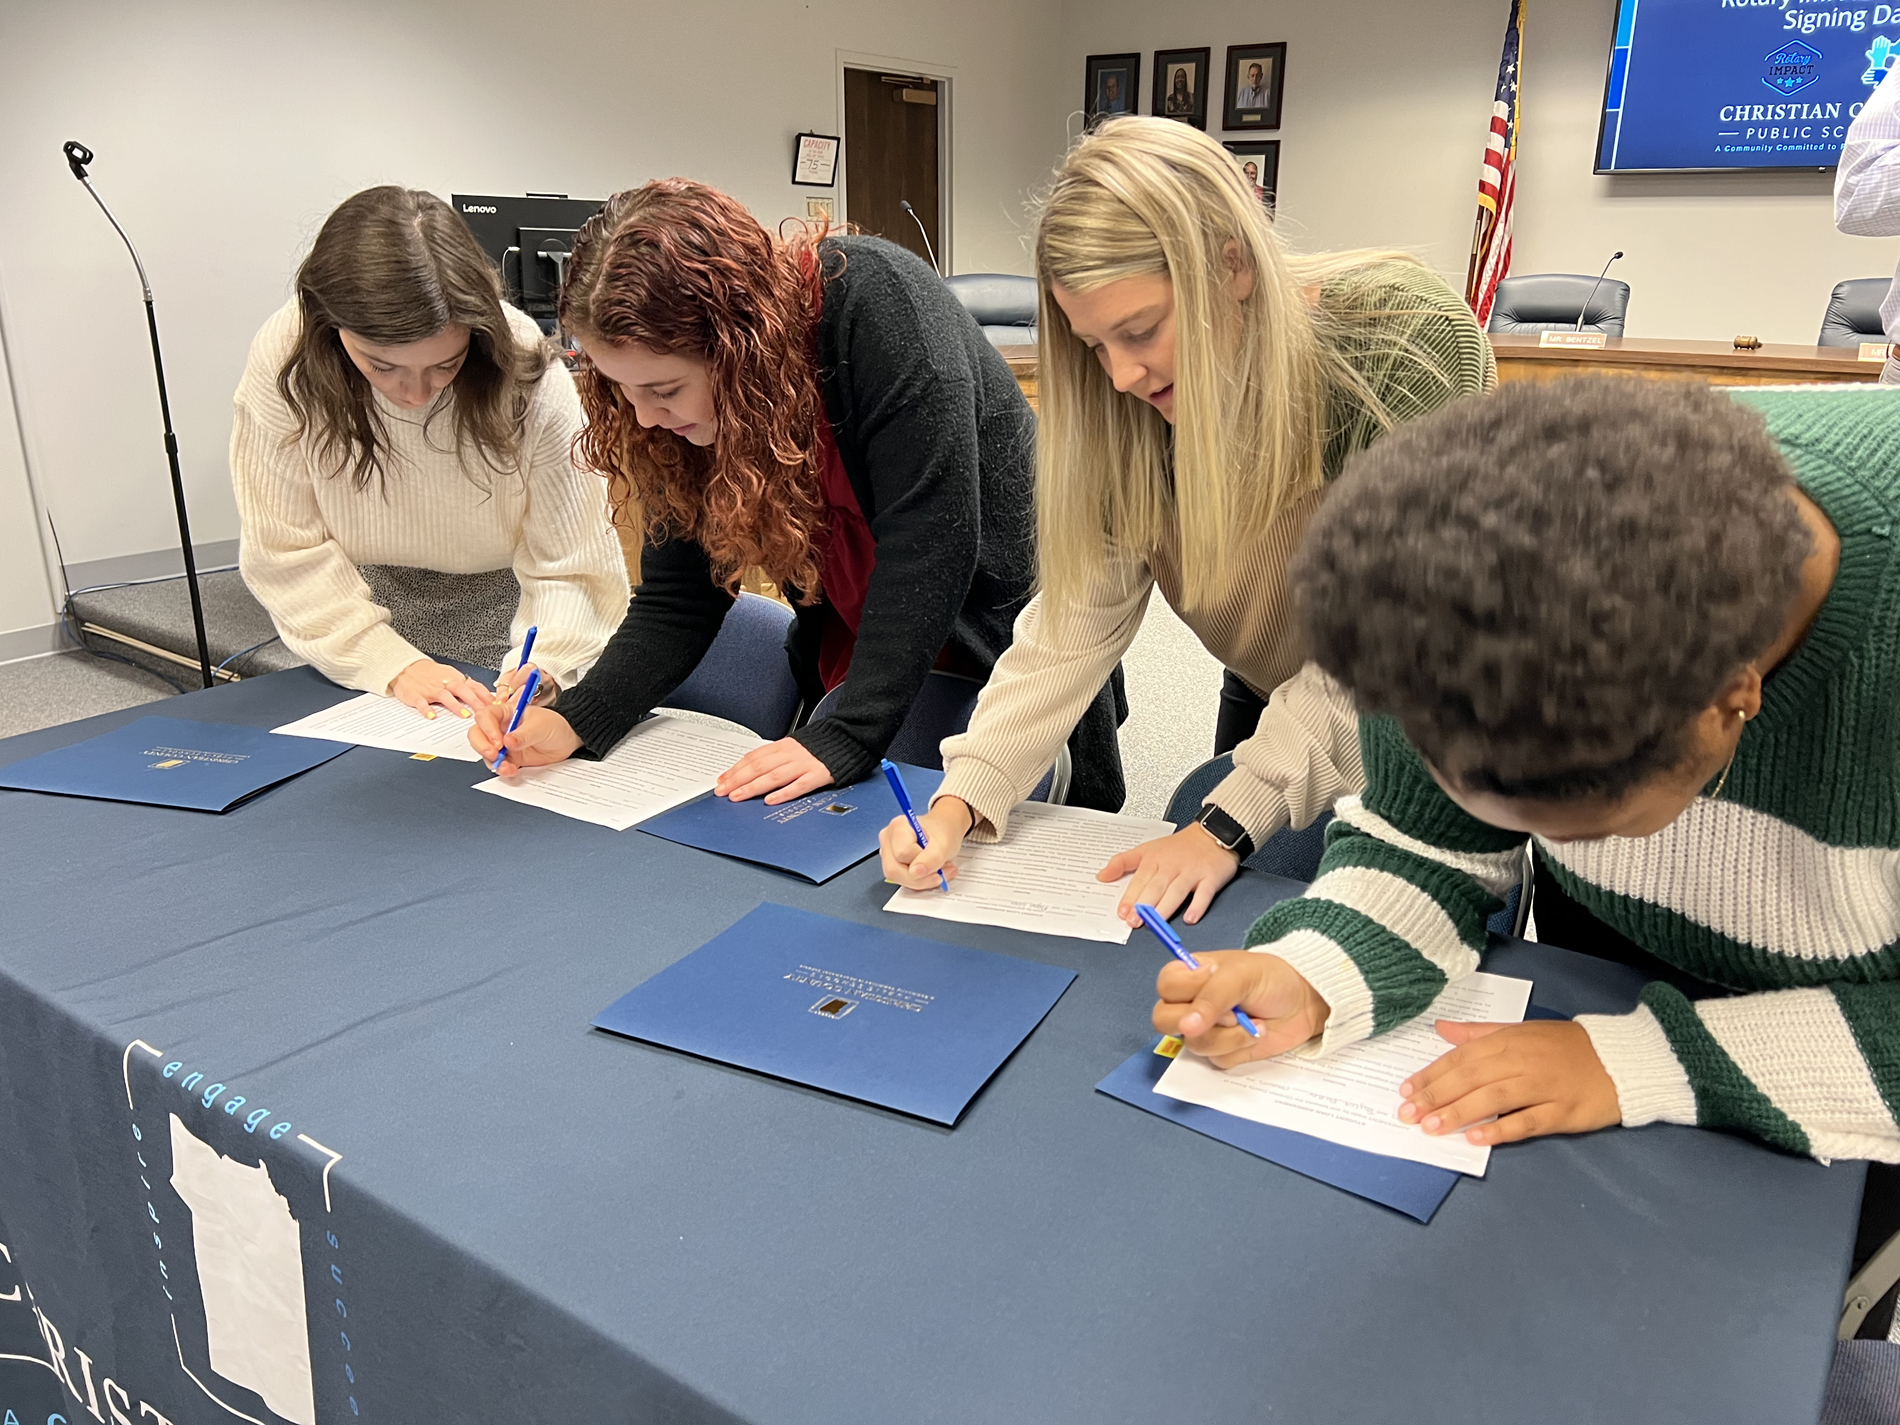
column 422, row 756
column 1168, row 1047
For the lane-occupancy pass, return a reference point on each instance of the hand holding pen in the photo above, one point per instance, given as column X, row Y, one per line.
column 1165, row 934
column 527, row 696
column 898, row 790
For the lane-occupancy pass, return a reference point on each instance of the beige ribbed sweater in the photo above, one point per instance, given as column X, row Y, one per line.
column 304, row 531
column 1417, row 345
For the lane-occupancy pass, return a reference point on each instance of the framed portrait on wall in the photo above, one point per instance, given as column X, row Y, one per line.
column 815, row 161
column 1113, row 87
column 1260, row 162
column 1181, row 80
column 1255, row 74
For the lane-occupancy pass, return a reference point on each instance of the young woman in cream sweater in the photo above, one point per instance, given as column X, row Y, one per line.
column 1200, row 388
column 402, row 456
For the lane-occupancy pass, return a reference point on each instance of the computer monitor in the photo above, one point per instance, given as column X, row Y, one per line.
column 530, row 238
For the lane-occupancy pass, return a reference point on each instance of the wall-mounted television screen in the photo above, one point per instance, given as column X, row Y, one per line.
column 1701, row 85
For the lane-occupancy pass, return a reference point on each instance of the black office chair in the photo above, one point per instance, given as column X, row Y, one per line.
column 1550, row 301
column 1853, row 312
column 1003, row 305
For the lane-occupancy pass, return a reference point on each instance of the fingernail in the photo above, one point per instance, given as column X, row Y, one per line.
column 1406, row 1088
column 430, row 713
column 1474, row 1135
column 463, row 712
column 1431, row 1124
column 1407, row 1112
column 1192, row 1024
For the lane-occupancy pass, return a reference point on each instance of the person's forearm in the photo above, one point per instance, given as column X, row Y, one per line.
column 1301, row 758
column 1790, row 1067
column 1039, row 690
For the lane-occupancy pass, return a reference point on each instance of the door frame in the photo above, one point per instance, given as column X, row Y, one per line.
column 946, row 77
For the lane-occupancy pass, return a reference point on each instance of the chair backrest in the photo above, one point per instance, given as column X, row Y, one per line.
column 996, row 299
column 1853, row 312
column 942, row 709
column 1550, row 301
column 745, row 676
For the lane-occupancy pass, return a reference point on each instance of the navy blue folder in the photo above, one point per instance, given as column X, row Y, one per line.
column 815, row 837
column 172, row 762
column 909, row 1024
column 1416, row 1189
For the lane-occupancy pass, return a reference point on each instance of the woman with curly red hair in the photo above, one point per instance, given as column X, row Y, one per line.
column 819, row 408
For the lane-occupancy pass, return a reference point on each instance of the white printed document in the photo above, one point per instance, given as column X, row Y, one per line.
column 1041, row 875
column 664, row 761
column 376, row 721
column 1352, row 1097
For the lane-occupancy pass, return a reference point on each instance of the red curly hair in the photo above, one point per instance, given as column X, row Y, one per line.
column 681, row 268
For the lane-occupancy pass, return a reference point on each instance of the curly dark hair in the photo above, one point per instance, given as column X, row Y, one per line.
column 677, row 266
column 1544, row 585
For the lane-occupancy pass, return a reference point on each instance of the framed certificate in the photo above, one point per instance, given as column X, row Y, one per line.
column 815, row 161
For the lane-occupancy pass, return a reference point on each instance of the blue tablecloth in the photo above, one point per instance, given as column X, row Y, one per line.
column 505, row 1215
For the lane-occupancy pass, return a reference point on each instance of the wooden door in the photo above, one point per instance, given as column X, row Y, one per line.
column 891, row 143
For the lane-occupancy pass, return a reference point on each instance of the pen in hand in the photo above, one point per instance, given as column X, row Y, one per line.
column 527, row 650
column 896, row 779
column 521, row 706
column 1164, row 932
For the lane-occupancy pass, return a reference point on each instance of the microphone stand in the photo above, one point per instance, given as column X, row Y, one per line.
column 1593, row 291
column 77, row 157
column 904, row 203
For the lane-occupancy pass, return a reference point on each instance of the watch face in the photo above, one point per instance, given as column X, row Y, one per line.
column 1222, row 827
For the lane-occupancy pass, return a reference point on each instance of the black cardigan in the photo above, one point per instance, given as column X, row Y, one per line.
column 939, row 445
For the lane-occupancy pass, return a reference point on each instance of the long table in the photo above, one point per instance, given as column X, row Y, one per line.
column 377, row 985
column 1520, row 358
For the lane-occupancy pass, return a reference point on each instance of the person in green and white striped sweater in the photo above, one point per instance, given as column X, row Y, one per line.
column 1655, row 630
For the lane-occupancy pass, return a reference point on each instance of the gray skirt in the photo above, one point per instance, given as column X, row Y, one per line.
column 464, row 617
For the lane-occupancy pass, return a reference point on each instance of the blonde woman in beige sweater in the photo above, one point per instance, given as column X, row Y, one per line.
column 402, row 455
column 1200, row 388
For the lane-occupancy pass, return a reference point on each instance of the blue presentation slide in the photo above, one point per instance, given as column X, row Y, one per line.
column 1701, row 84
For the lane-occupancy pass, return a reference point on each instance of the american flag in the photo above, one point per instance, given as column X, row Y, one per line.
column 1497, row 180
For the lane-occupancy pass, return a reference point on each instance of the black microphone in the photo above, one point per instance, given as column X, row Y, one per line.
column 77, row 157
column 1593, row 290
column 904, row 203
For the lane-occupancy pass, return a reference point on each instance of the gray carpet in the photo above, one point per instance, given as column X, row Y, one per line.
column 63, row 687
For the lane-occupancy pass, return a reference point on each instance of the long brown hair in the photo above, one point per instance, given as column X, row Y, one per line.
column 394, row 265
column 681, row 268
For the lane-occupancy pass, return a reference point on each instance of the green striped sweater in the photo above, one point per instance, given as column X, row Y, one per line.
column 1785, row 890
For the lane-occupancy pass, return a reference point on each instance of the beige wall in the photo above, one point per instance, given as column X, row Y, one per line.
column 1385, row 114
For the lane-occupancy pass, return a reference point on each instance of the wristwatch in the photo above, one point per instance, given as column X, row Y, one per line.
column 1223, row 828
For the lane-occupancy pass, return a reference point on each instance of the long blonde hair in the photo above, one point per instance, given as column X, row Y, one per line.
column 1253, row 381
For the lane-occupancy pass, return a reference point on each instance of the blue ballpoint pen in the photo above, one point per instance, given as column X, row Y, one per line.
column 896, row 779
column 527, row 646
column 1164, row 932
column 527, row 696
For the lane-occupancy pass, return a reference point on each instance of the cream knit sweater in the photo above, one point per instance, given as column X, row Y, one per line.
column 304, row 531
